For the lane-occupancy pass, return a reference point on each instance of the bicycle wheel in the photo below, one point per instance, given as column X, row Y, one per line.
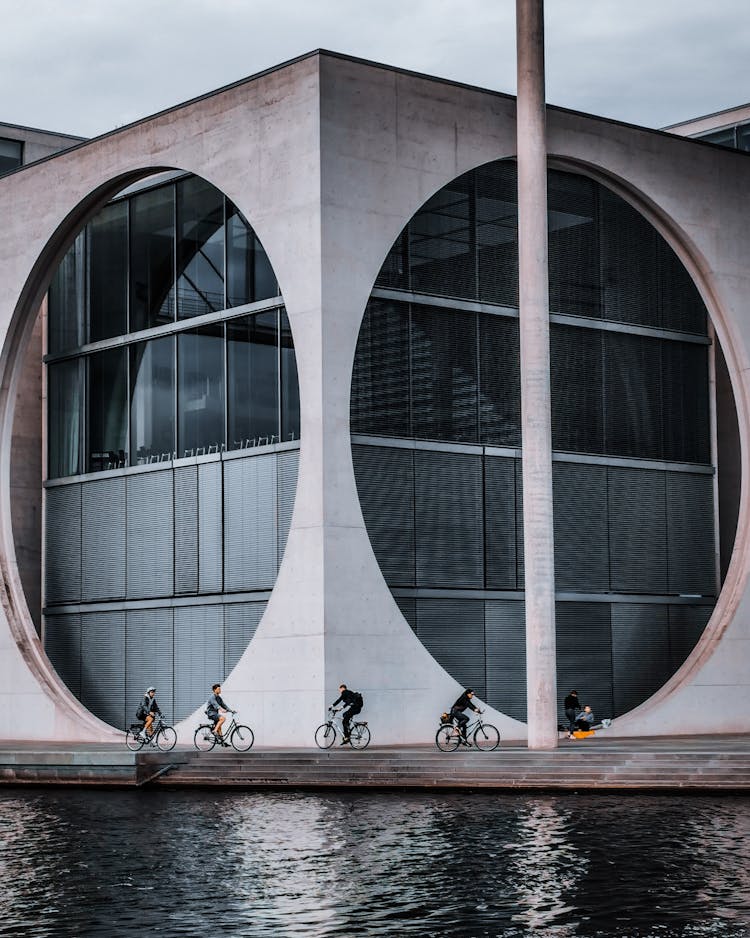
column 325, row 735
column 133, row 740
column 486, row 737
column 166, row 738
column 360, row 736
column 446, row 738
column 242, row 738
column 204, row 738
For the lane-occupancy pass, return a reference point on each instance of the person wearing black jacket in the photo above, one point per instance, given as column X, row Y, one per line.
column 148, row 710
column 215, row 710
column 572, row 706
column 457, row 712
column 353, row 701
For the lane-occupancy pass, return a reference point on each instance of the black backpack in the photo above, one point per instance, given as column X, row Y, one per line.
column 140, row 713
column 358, row 699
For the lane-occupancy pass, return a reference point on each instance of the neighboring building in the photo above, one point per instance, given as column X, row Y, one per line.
column 729, row 128
column 22, row 145
column 360, row 223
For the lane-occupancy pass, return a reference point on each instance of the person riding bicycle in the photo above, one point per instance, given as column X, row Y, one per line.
column 215, row 707
column 354, row 702
column 147, row 711
column 457, row 713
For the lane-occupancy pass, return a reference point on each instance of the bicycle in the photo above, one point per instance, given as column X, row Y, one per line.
column 325, row 734
column 486, row 736
column 163, row 736
column 239, row 736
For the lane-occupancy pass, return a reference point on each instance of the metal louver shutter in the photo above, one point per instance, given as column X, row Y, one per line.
column 573, row 239
column 497, row 232
column 637, row 530
column 210, row 534
column 505, row 636
column 395, row 270
column 149, row 659
column 581, row 530
column 380, row 379
column 250, row 544
column 449, row 520
column 62, row 644
column 681, row 304
column 103, row 538
column 444, row 374
column 241, row 621
column 442, row 242
column 632, row 396
column 408, row 608
column 385, row 484
column 62, row 545
column 103, row 666
column 576, row 389
column 287, row 468
column 500, row 522
column 584, row 655
column 198, row 655
column 520, row 570
column 690, row 533
column 640, row 652
column 499, row 381
column 186, row 530
column 686, row 625
column 150, row 529
column 685, row 390
column 452, row 630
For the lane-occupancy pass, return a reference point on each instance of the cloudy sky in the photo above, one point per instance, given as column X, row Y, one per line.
column 86, row 66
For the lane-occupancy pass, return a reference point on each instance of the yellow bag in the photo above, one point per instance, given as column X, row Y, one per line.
column 583, row 734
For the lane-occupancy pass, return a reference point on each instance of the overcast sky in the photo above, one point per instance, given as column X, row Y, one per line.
column 86, row 66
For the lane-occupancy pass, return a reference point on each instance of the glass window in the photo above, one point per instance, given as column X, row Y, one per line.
column 724, row 138
column 152, row 258
column 64, row 418
column 250, row 276
column 200, row 248
column 107, row 406
column 66, row 300
column 108, row 272
column 11, row 155
column 200, row 391
column 152, row 401
column 253, row 380
column 290, row 420
column 743, row 137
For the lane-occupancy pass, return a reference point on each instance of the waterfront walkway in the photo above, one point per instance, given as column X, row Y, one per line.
column 666, row 763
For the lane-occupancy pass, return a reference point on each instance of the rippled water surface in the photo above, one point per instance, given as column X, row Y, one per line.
column 84, row 863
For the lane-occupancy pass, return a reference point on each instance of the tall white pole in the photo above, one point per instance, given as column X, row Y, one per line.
column 538, row 532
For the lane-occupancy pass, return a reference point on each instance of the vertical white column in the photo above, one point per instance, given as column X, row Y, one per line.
column 541, row 687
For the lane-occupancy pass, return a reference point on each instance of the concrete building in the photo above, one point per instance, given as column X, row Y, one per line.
column 282, row 405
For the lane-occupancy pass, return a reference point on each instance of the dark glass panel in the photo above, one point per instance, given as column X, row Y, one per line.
column 497, row 232
column 499, row 381
column 724, row 138
column 66, row 299
column 152, row 238
column 681, row 304
column 11, row 155
column 442, row 242
column 253, row 380
column 200, row 390
column 395, row 270
column 290, row 419
column 444, row 374
column 200, row 248
column 632, row 395
column 250, row 276
column 64, row 387
column 574, row 286
column 107, row 406
column 576, row 388
column 685, row 391
column 380, row 382
column 629, row 264
column 108, row 272
column 152, row 401
column 743, row 137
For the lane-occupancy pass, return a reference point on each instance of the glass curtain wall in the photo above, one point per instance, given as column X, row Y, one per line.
column 157, row 260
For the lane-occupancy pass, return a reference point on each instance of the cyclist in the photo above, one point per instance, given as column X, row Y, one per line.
column 354, row 702
column 147, row 711
column 215, row 707
column 457, row 713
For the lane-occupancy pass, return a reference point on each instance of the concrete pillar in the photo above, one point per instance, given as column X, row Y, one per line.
column 535, row 381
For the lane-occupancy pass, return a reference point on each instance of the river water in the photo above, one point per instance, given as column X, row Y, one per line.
column 90, row 863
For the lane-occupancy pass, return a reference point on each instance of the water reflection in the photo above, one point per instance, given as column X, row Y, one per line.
column 455, row 866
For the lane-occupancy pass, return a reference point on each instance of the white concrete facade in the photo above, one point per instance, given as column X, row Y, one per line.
column 328, row 159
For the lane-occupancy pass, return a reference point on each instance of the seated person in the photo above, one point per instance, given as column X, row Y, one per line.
column 458, row 716
column 353, row 701
column 584, row 723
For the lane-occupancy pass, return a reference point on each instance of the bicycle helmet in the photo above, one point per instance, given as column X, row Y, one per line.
column 149, row 689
